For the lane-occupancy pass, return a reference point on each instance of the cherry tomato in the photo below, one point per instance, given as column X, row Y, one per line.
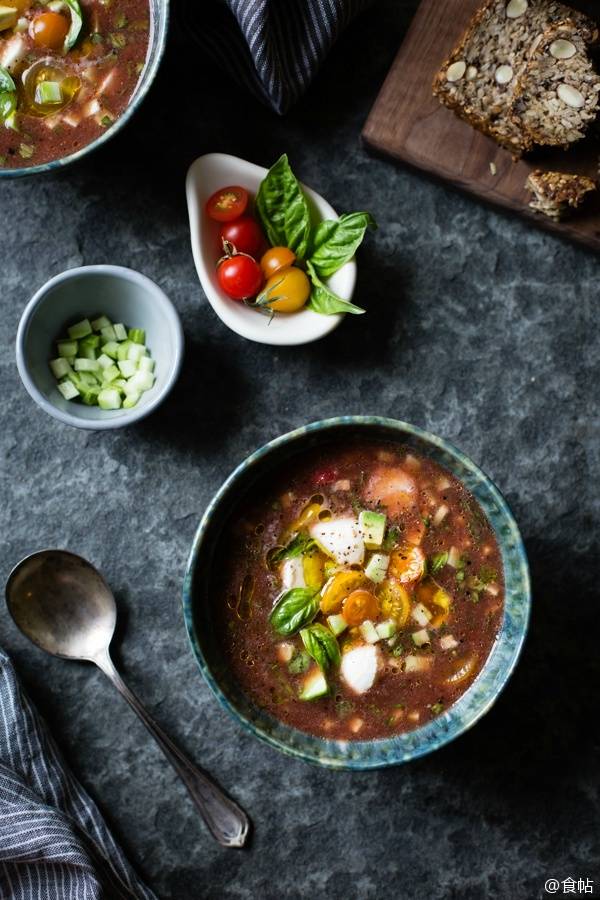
column 49, row 30
column 325, row 476
column 275, row 259
column 227, row 204
column 239, row 276
column 359, row 606
column 245, row 234
column 286, row 291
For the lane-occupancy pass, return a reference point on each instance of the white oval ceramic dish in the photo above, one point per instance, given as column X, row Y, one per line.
column 205, row 176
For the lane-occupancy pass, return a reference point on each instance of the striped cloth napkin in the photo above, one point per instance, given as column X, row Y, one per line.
column 54, row 844
column 273, row 47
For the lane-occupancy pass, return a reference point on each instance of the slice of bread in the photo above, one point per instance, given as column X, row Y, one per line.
column 558, row 94
column 557, row 193
column 478, row 79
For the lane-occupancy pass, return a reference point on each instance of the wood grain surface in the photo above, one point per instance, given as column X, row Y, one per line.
column 408, row 123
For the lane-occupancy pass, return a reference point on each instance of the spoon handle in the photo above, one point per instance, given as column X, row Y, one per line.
column 228, row 824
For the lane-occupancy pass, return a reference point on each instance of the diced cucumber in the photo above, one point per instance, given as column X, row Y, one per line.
column 100, row 323
column 109, row 398
column 386, row 630
column 90, row 396
column 60, row 367
column 146, row 364
column 110, row 373
column 142, row 381
column 88, row 379
column 120, row 332
column 86, row 365
column 86, row 352
column 420, row 638
column 376, row 568
column 92, row 340
column 67, row 348
column 104, row 361
column 108, row 333
column 48, row 92
column 372, row 526
column 337, row 624
column 314, row 686
column 80, row 330
column 68, row 390
column 131, row 399
column 369, row 632
column 123, row 350
column 137, row 335
column 135, row 353
column 111, row 348
column 127, row 368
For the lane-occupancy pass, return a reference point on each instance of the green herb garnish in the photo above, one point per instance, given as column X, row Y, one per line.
column 118, row 41
column 437, row 562
column 437, row 708
column 321, row 644
column 294, row 609
column 26, row 150
column 298, row 546
column 343, row 708
column 391, row 538
column 299, row 663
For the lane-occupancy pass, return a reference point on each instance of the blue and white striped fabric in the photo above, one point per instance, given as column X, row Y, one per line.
column 54, row 844
column 273, row 47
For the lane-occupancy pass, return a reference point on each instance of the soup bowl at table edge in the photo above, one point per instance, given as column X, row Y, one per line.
column 123, row 295
column 159, row 23
column 377, row 753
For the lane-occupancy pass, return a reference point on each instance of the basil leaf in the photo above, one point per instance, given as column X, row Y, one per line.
column 76, row 23
column 294, row 609
column 8, row 97
column 324, row 301
column 335, row 241
column 322, row 645
column 300, row 544
column 437, row 562
column 283, row 209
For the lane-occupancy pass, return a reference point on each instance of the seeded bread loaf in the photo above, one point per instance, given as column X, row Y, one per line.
column 556, row 193
column 478, row 80
column 556, row 97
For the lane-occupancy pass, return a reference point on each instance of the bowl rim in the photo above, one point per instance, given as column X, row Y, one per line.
column 444, row 728
column 139, row 94
column 131, row 415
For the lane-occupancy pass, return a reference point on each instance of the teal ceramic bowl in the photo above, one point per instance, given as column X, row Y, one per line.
column 372, row 754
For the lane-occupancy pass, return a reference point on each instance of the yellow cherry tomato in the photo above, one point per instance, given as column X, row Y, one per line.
column 394, row 601
column 407, row 564
column 49, row 30
column 359, row 606
column 338, row 588
column 287, row 291
column 275, row 259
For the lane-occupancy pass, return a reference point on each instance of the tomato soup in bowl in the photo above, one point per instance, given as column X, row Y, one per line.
column 357, row 593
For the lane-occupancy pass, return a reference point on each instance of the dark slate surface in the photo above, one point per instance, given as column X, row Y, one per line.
column 479, row 328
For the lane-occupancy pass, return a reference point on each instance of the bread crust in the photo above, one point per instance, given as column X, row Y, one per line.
column 557, row 193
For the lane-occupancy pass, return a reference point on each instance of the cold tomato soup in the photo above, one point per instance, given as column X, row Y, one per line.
column 68, row 69
column 359, row 594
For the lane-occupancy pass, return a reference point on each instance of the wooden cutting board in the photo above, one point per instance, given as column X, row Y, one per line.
column 409, row 123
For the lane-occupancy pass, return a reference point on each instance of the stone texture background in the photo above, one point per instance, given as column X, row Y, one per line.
column 480, row 328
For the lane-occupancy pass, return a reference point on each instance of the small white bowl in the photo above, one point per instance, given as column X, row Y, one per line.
column 124, row 296
column 205, row 176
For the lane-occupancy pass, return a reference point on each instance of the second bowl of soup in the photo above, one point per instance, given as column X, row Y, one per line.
column 357, row 593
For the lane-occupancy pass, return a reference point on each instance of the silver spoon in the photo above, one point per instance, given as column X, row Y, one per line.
column 63, row 604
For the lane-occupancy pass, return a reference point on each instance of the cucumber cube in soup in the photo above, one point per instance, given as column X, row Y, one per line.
column 80, row 330
column 131, row 399
column 60, row 367
column 369, row 632
column 109, row 398
column 386, row 630
column 337, row 624
column 127, row 368
column 372, row 525
column 120, row 332
column 315, row 686
column 67, row 348
column 137, row 335
column 376, row 568
column 100, row 323
column 111, row 348
column 68, row 390
column 86, row 365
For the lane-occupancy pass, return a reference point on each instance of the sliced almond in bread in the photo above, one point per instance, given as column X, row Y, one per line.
column 557, row 95
column 478, row 80
column 557, row 193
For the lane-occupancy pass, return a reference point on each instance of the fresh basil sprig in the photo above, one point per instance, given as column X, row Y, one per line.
column 8, row 98
column 324, row 300
column 283, row 209
column 322, row 645
column 335, row 241
column 299, row 544
column 294, row 609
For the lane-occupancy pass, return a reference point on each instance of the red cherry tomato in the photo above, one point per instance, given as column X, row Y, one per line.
column 239, row 276
column 227, row 204
column 245, row 234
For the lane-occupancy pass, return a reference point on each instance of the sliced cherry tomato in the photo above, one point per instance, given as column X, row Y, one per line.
column 287, row 291
column 407, row 564
column 245, row 234
column 227, row 204
column 49, row 30
column 359, row 606
column 239, row 276
column 275, row 259
column 325, row 476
